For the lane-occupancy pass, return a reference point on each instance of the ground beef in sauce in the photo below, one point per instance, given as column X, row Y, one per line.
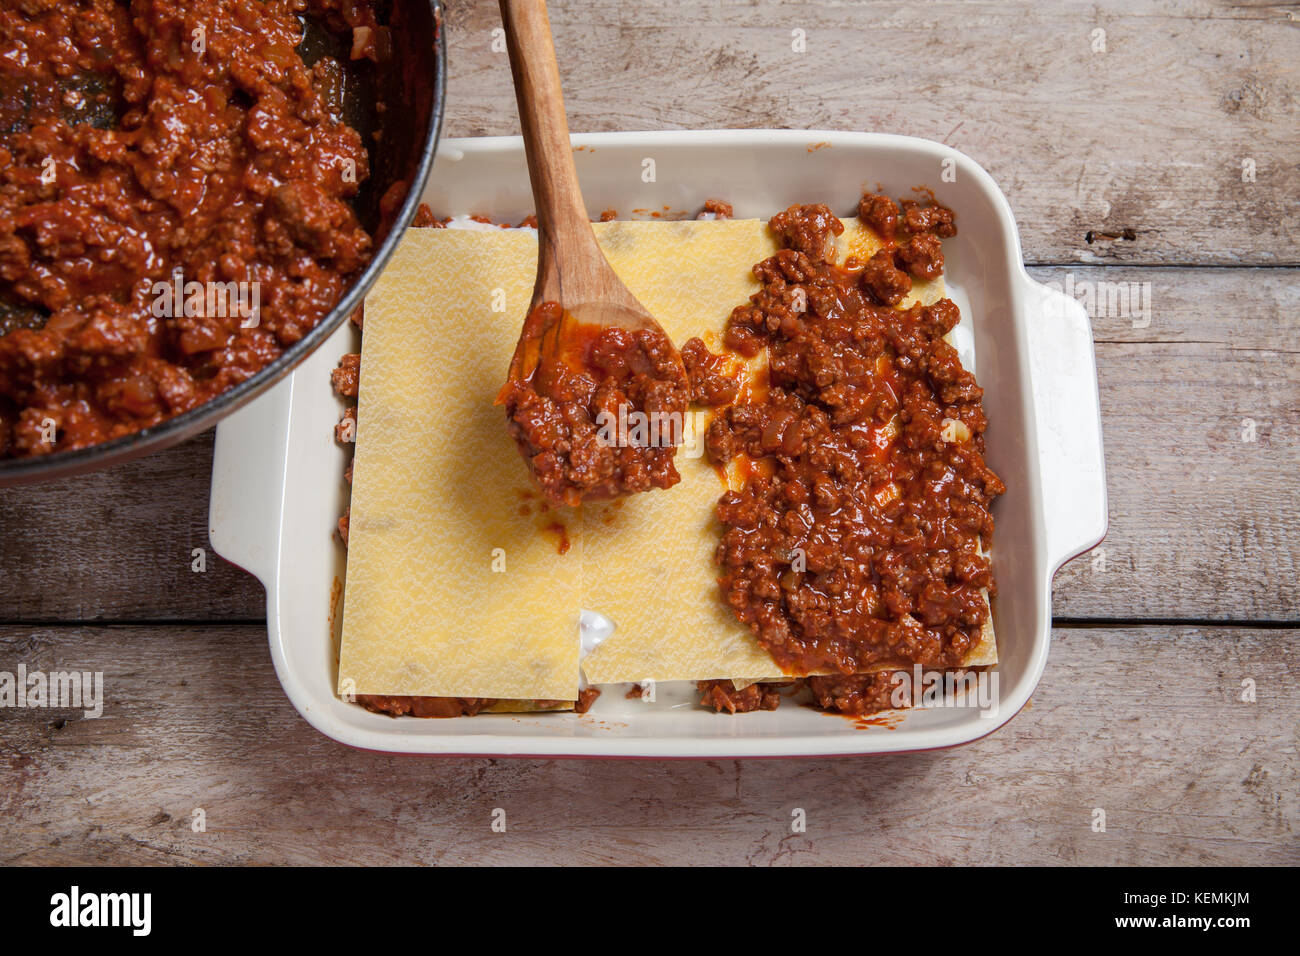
column 126, row 155
column 856, row 538
column 852, row 694
column 810, row 230
column 709, row 374
column 722, row 695
column 605, row 418
column 883, row 280
column 425, row 219
column 396, row 706
column 716, row 209
column 346, row 379
column 922, row 256
column 408, row 706
column 856, row 694
column 345, row 432
column 880, row 213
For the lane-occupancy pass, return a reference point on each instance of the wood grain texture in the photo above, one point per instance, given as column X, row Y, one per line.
column 1204, row 525
column 1144, row 723
column 1201, row 425
column 118, row 545
column 1146, row 140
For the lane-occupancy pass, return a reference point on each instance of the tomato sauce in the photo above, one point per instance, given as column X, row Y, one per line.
column 859, row 536
column 604, row 416
column 155, row 146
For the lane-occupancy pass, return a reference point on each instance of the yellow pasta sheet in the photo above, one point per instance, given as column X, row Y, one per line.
column 450, row 590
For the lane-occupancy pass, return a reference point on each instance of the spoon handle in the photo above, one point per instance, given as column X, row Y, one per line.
column 565, row 239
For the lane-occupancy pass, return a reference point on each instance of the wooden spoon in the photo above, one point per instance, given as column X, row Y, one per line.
column 571, row 269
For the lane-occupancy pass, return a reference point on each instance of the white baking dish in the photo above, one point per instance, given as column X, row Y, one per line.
column 277, row 484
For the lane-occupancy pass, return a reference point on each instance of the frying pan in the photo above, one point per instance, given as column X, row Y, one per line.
column 414, row 84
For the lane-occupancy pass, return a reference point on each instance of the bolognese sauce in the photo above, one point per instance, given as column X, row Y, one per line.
column 147, row 147
column 601, row 417
column 859, row 536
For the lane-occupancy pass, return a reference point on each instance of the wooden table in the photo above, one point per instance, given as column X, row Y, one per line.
column 1129, row 163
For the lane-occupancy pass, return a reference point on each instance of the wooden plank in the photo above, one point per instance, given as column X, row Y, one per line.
column 119, row 544
column 1146, row 140
column 1144, row 723
column 1201, row 424
column 1203, row 525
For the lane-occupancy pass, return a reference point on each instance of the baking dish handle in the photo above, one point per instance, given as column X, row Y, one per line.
column 248, row 474
column 1072, row 462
